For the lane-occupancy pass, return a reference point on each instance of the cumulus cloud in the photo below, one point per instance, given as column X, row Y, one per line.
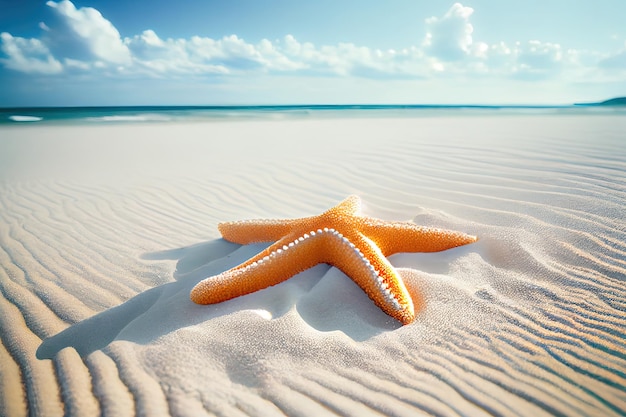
column 82, row 40
column 74, row 38
column 541, row 55
column 230, row 51
column 346, row 59
column 201, row 54
column 233, row 55
column 155, row 56
column 84, row 34
column 276, row 59
column 28, row 55
column 525, row 60
column 450, row 37
column 537, row 59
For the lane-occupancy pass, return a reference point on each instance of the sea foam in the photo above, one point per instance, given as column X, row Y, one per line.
column 20, row 118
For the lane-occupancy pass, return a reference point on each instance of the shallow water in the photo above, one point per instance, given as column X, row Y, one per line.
column 178, row 114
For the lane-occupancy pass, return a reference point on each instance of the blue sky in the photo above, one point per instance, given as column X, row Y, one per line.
column 139, row 52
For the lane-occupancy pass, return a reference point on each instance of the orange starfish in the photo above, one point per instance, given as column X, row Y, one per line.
column 341, row 237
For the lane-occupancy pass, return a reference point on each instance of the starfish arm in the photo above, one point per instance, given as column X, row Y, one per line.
column 349, row 206
column 394, row 237
column 360, row 259
column 245, row 232
column 277, row 263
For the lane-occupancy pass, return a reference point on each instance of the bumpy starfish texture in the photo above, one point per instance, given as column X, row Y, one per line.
column 341, row 237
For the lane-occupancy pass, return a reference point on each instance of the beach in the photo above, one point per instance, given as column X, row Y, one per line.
column 106, row 227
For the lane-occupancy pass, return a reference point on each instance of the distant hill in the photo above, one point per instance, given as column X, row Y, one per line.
column 618, row 101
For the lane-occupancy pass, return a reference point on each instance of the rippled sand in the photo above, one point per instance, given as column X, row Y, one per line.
column 104, row 230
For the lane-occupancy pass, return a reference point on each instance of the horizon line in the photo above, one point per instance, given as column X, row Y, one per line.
column 310, row 105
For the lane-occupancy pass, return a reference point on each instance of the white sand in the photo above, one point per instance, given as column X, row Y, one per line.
column 104, row 230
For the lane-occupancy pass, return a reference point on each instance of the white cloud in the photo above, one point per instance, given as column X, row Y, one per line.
column 82, row 40
column 148, row 46
column 276, row 59
column 450, row 44
column 449, row 38
column 345, row 59
column 528, row 60
column 230, row 51
column 77, row 65
column 28, row 55
column 234, row 55
column 198, row 55
column 540, row 55
column 84, row 34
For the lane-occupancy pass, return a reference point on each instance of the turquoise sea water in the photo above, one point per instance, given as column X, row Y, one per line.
column 147, row 114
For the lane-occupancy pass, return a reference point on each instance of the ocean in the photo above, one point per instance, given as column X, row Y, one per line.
column 162, row 114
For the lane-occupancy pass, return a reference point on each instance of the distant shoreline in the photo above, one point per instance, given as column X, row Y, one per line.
column 169, row 113
column 288, row 107
column 617, row 101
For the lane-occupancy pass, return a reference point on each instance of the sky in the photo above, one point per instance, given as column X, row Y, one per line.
column 233, row 52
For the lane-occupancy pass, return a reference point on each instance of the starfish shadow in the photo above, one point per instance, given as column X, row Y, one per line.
column 323, row 297
column 169, row 302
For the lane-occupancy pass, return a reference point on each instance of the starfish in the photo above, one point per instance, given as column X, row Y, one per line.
column 341, row 237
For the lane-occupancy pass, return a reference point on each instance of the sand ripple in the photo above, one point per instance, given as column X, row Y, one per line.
column 99, row 248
